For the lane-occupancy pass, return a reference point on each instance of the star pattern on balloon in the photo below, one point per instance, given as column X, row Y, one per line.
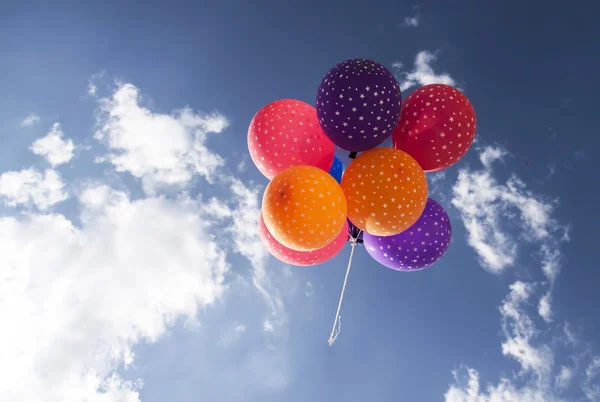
column 419, row 246
column 304, row 208
column 437, row 126
column 386, row 191
column 301, row 258
column 358, row 104
column 285, row 133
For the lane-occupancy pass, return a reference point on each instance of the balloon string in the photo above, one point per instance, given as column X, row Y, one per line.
column 337, row 324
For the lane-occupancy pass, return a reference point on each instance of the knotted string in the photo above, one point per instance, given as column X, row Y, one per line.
column 337, row 324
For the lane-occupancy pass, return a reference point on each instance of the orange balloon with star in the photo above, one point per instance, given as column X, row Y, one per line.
column 304, row 208
column 386, row 191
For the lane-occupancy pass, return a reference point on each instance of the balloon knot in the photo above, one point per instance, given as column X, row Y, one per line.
column 352, row 155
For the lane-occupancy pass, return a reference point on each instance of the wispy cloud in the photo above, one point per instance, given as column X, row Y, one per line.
column 581, row 155
column 92, row 88
column 564, row 377
column 412, row 21
column 242, row 166
column 467, row 389
column 499, row 217
column 491, row 154
column 483, row 204
column 242, row 221
column 544, row 307
column 533, row 383
column 519, row 331
column 592, row 372
column 232, row 335
column 53, row 147
column 30, row 120
column 310, row 290
column 422, row 73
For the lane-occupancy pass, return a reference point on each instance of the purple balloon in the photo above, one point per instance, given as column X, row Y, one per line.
column 358, row 104
column 417, row 247
column 346, row 157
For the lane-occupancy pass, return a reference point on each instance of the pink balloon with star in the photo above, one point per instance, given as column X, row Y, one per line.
column 301, row 258
column 287, row 133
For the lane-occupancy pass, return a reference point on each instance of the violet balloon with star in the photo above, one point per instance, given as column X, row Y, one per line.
column 358, row 104
column 419, row 246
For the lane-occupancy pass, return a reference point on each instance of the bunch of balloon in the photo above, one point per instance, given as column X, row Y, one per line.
column 304, row 210
column 314, row 203
column 360, row 108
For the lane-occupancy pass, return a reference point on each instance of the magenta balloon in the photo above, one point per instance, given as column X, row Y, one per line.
column 417, row 247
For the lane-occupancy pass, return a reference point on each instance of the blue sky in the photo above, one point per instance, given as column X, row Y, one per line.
column 130, row 264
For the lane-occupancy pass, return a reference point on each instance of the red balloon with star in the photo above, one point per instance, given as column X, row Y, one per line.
column 287, row 133
column 437, row 126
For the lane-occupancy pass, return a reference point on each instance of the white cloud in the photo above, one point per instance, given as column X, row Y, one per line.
column 504, row 391
column 160, row 149
column 491, row 154
column 532, row 384
column 242, row 221
column 166, row 149
column 422, row 73
column 544, row 308
column 310, row 290
column 550, row 261
column 436, row 177
column 591, row 390
column 519, row 331
column 569, row 336
column 53, row 148
column 30, row 187
column 123, row 271
column 72, row 313
column 492, row 212
column 92, row 86
column 242, row 166
column 411, row 21
column 487, row 207
column 564, row 377
column 232, row 335
column 30, row 120
column 476, row 195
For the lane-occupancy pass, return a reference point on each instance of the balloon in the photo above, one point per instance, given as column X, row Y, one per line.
column 337, row 169
column 358, row 104
column 285, row 133
column 386, row 191
column 346, row 156
column 304, row 208
column 301, row 258
column 354, row 232
column 437, row 126
column 416, row 248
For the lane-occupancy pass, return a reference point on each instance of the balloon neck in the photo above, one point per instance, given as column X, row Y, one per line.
column 352, row 155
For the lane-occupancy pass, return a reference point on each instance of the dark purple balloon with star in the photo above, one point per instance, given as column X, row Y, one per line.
column 354, row 232
column 358, row 104
column 416, row 248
